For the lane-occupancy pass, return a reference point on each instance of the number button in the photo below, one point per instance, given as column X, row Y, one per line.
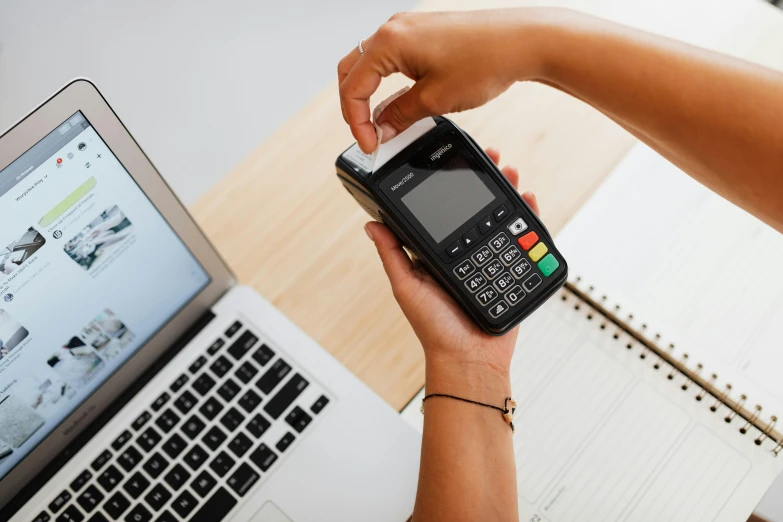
column 475, row 282
column 520, row 269
column 515, row 295
column 464, row 269
column 482, row 256
column 499, row 242
column 498, row 309
column 504, row 282
column 532, row 282
column 486, row 296
column 510, row 256
column 493, row 269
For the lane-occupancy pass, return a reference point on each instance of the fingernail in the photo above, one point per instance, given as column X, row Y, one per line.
column 368, row 232
column 529, row 195
column 389, row 132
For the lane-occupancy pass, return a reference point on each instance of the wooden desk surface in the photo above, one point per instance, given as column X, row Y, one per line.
column 287, row 227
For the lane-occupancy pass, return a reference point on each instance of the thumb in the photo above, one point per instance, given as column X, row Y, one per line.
column 404, row 111
column 396, row 263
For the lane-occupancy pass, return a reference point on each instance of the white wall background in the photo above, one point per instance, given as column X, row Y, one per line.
column 199, row 83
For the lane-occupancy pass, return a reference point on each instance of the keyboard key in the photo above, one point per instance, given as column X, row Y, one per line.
column 203, row 484
column 192, row 427
column 475, row 283
column 203, row 384
column 229, row 390
column 242, row 345
column 116, row 505
column 110, row 478
column 141, row 420
column 185, row 402
column 167, row 420
column 520, row 269
column 548, row 265
column 177, row 477
column 320, row 404
column 464, row 269
column 273, row 376
column 222, row 464
column 537, row 252
column 174, row 446
column 166, row 516
column 258, row 425
column 79, row 482
column 211, row 408
column 160, row 401
column 98, row 517
column 487, row 295
column 498, row 309
column 90, row 499
column 240, row 444
column 287, row 394
column 263, row 355
column 221, row 367
column 155, row 465
column 481, row 256
column 510, row 255
column 528, row 240
column 184, row 504
column 285, row 441
column 197, row 364
column 59, row 501
column 214, row 438
column 249, row 401
column 138, row 514
column 71, row 514
column 136, row 485
column 179, row 383
column 149, row 439
column 195, row 457
column 246, row 372
column 234, row 328
column 298, row 419
column 120, row 441
column 263, row 457
column 243, row 479
column 43, row 516
column 232, row 419
column 157, row 497
column 504, row 282
column 102, row 459
column 499, row 242
column 216, row 346
column 216, row 508
column 532, row 282
column 129, row 458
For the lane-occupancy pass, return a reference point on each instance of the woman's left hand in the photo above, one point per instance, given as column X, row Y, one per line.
column 452, row 342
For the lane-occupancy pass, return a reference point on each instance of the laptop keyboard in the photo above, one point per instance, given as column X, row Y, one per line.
column 202, row 444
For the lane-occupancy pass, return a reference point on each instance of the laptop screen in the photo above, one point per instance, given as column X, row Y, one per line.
column 89, row 271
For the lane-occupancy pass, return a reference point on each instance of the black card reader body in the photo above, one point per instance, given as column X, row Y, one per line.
column 453, row 208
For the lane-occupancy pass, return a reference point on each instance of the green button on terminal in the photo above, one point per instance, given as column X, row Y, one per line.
column 548, row 265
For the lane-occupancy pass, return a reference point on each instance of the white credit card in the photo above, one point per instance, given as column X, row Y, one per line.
column 391, row 148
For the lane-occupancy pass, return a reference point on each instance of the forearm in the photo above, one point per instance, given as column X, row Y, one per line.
column 467, row 460
column 718, row 118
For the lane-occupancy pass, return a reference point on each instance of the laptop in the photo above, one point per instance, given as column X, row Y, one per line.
column 138, row 381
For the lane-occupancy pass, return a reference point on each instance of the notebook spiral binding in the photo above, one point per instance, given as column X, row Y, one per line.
column 707, row 387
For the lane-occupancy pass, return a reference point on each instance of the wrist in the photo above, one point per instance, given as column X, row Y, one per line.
column 544, row 39
column 478, row 381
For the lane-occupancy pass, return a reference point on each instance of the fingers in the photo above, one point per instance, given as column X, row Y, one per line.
column 359, row 84
column 404, row 111
column 396, row 263
column 531, row 200
column 512, row 174
column 494, row 154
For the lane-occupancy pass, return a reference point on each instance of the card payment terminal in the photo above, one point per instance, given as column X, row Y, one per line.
column 453, row 208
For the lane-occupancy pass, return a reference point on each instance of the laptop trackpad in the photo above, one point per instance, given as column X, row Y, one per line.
column 270, row 513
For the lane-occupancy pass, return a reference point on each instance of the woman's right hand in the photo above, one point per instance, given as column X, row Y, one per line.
column 459, row 60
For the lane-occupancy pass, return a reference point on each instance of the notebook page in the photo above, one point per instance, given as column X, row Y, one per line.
column 604, row 436
column 694, row 267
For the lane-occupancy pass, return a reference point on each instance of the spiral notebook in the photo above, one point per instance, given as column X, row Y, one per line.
column 648, row 388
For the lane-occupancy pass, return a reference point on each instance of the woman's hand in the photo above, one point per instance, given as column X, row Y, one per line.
column 459, row 354
column 459, row 60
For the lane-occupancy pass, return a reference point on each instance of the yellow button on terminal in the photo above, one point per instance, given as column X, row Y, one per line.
column 537, row 252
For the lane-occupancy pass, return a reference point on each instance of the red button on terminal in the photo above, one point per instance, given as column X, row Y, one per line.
column 528, row 240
